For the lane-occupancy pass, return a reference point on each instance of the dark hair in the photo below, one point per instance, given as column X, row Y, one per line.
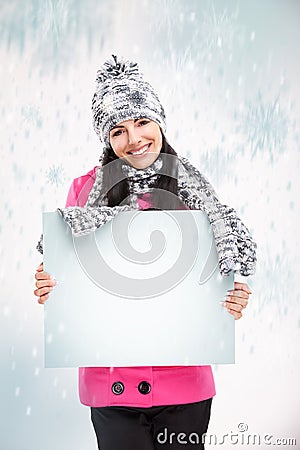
column 120, row 190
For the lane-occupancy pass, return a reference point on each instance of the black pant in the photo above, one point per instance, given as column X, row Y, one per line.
column 159, row 427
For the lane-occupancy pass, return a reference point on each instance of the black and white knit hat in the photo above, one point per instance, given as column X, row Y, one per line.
column 122, row 94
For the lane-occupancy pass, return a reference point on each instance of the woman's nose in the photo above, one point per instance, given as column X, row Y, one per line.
column 133, row 136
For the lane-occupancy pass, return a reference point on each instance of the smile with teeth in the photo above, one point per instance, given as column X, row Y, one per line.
column 140, row 152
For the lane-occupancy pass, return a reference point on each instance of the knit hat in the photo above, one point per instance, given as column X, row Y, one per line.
column 122, row 94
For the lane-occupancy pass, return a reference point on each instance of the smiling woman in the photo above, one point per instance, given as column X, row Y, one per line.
column 130, row 406
column 138, row 141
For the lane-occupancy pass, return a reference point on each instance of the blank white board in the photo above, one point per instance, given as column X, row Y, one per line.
column 143, row 290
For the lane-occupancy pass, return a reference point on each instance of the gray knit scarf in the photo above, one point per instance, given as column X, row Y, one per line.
column 235, row 247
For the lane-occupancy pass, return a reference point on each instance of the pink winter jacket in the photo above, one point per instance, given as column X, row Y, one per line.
column 137, row 386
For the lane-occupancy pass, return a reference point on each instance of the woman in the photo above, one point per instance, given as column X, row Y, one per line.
column 148, row 407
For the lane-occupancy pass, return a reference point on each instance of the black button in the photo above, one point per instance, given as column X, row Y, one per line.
column 144, row 387
column 118, row 388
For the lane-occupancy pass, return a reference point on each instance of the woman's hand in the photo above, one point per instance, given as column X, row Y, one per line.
column 237, row 299
column 44, row 283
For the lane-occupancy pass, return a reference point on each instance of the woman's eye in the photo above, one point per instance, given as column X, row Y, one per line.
column 116, row 133
column 144, row 122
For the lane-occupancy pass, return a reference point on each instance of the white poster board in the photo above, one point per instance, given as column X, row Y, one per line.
column 143, row 290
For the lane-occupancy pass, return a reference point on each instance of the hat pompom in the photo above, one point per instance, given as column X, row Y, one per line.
column 118, row 69
column 122, row 94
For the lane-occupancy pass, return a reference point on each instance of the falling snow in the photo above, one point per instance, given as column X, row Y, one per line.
column 55, row 175
column 214, row 161
column 279, row 276
column 265, row 126
column 220, row 30
column 31, row 115
column 54, row 18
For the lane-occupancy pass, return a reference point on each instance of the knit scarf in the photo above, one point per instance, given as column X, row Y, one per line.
column 235, row 247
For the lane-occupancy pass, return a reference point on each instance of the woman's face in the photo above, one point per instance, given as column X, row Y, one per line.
column 138, row 141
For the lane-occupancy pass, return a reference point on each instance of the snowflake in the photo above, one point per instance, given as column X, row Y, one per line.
column 55, row 175
column 216, row 163
column 265, row 126
column 31, row 115
column 277, row 273
column 219, row 30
